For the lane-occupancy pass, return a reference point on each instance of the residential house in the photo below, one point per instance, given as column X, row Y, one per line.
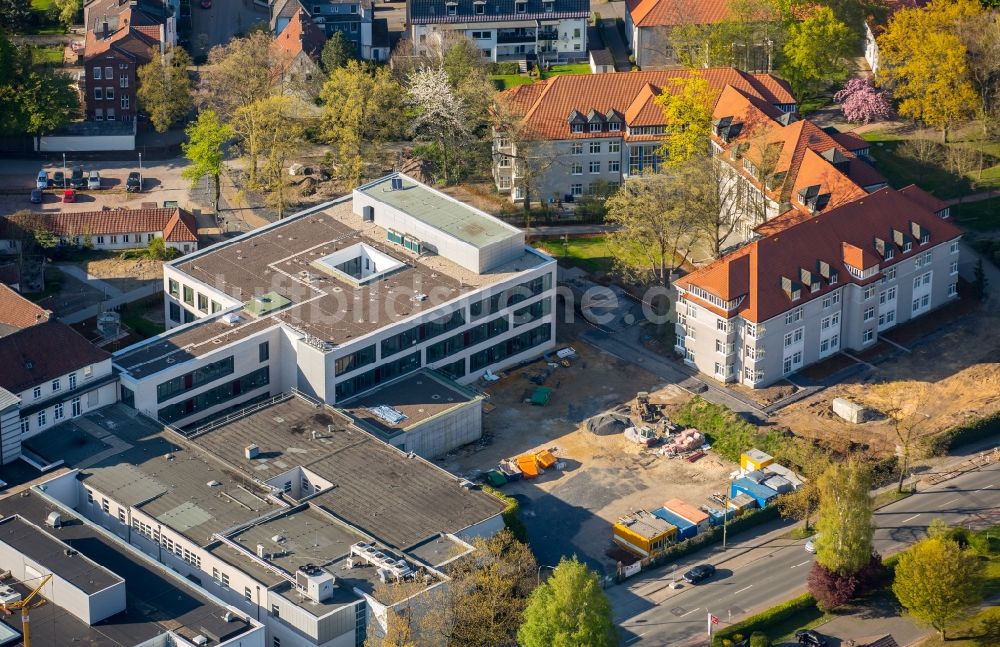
column 51, row 369
column 113, row 229
column 819, row 285
column 650, row 23
column 298, row 48
column 355, row 19
column 120, row 36
column 543, row 31
column 576, row 129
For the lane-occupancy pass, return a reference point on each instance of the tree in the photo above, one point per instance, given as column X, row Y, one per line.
column 337, row 51
column 817, row 53
column 924, row 153
column 361, row 111
column 33, row 100
column 980, row 33
column 164, row 90
column 923, row 61
column 653, row 228
column 530, row 156
column 569, row 609
column 979, row 281
column 844, row 527
column 281, row 135
column 715, row 197
column 69, row 11
column 206, row 137
column 242, row 71
column 14, row 14
column 938, row 581
column 832, row 589
column 441, row 115
column 861, row 102
column 687, row 114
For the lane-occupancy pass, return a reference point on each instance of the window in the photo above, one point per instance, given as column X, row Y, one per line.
column 36, row 392
column 825, row 323
column 98, row 114
column 121, row 515
column 275, row 641
column 99, row 93
column 480, row 9
column 202, row 302
column 868, row 336
column 188, row 296
column 953, row 247
column 953, row 268
column 595, row 167
column 576, row 128
column 788, row 339
column 595, row 148
column 504, row 182
column 907, row 246
column 109, row 73
column 175, row 312
column 122, row 81
column 55, row 385
column 576, row 190
column 887, row 295
column 889, row 253
column 248, row 594
column 793, row 315
column 889, row 275
column 57, row 411
column 196, row 378
column 925, row 238
column 223, row 393
column 576, row 148
column 614, row 147
column 125, row 102
column 109, row 93
column 40, row 419
column 72, row 381
column 614, row 126
column 74, row 407
column 173, row 288
column 577, row 168
column 952, row 289
column 869, row 313
column 595, row 127
column 520, row 7
column 97, row 74
column 105, row 506
column 452, row 9
column 615, row 166
column 869, row 292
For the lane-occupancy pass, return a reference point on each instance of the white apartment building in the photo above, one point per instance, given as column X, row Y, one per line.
column 546, row 31
column 832, row 282
column 340, row 299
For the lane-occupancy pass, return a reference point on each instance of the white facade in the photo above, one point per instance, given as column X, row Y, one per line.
column 510, row 40
column 67, row 396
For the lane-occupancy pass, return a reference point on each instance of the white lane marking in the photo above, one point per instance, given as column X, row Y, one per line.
column 802, row 564
column 910, row 518
column 742, row 590
column 985, row 487
column 634, row 638
column 690, row 612
column 952, row 501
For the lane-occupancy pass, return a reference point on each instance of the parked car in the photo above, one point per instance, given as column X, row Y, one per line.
column 94, row 180
column 134, row 182
column 811, row 544
column 58, row 180
column 36, row 196
column 42, row 181
column 810, row 637
column 76, row 178
column 699, row 573
column 69, row 195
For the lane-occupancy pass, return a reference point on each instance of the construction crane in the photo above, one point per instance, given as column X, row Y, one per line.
column 25, row 605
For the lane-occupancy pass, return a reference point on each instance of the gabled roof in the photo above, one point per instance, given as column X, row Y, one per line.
column 43, row 352
column 834, row 238
column 850, row 140
column 546, row 104
column 923, row 198
column 669, row 13
column 300, row 35
column 176, row 225
column 16, row 312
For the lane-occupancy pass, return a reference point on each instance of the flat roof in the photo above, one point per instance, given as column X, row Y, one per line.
column 438, row 550
column 440, row 211
column 279, row 259
column 646, row 524
column 417, row 396
column 155, row 602
column 397, row 499
column 36, row 544
column 140, row 464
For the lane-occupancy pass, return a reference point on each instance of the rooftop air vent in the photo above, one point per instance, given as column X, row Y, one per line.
column 54, row 520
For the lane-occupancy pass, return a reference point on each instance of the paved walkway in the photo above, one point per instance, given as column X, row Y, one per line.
column 974, row 197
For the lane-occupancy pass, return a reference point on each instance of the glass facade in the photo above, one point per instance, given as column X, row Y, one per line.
column 510, row 296
column 203, row 375
column 644, row 159
column 421, row 332
column 357, row 359
column 510, row 347
column 531, row 313
column 376, row 376
column 466, row 339
column 218, row 395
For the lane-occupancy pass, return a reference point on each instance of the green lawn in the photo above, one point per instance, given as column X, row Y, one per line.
column 47, row 55
column 507, row 81
column 592, row 255
column 981, row 216
column 575, row 68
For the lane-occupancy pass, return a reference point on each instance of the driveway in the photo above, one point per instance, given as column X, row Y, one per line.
column 226, row 18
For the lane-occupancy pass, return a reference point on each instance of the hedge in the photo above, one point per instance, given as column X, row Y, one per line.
column 964, row 434
column 511, row 514
column 504, row 67
column 764, row 619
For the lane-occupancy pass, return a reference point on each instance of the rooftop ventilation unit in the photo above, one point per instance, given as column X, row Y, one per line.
column 9, row 595
column 260, row 551
column 54, row 520
column 231, row 319
column 200, row 640
column 315, row 582
column 251, row 451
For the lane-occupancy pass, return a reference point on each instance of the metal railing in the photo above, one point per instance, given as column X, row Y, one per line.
column 236, row 415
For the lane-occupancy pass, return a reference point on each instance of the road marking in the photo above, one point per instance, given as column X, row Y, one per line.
column 802, row 564
column 985, row 488
column 634, row 638
column 910, row 518
column 742, row 590
column 689, row 612
column 952, row 501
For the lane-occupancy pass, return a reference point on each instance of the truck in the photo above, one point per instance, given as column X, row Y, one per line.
column 642, row 435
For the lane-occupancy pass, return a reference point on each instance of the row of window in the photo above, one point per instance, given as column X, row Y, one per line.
column 595, row 127
column 510, row 347
column 109, row 73
column 614, row 166
column 194, row 379
column 58, row 413
column 189, row 296
column 510, row 296
column 56, row 384
column 421, row 332
column 466, row 339
column 218, row 395
column 576, row 148
column 576, row 190
column 105, row 94
column 378, row 375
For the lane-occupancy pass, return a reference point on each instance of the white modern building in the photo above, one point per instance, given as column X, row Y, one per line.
column 340, row 299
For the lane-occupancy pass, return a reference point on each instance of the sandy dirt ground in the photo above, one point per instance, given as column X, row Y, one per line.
column 604, row 477
column 125, row 274
column 948, row 378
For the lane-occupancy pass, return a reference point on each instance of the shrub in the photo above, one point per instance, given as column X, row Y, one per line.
column 759, row 639
column 511, row 514
column 729, row 434
column 830, row 589
column 964, row 434
column 791, row 609
column 504, row 67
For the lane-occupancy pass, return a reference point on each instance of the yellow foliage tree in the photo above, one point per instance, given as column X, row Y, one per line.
column 687, row 112
column 922, row 59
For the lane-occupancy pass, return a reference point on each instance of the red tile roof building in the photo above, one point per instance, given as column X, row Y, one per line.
column 298, row 48
column 116, row 228
column 16, row 312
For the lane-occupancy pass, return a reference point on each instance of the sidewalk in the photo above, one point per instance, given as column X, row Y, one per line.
column 974, row 197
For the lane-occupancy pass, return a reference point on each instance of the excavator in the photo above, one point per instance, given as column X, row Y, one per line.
column 25, row 605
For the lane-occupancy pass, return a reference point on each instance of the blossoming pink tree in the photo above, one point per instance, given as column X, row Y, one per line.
column 861, row 102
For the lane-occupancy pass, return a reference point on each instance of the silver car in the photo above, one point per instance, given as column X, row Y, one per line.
column 94, row 180
column 811, row 544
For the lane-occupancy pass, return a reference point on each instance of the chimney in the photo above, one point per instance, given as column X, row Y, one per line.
column 104, row 29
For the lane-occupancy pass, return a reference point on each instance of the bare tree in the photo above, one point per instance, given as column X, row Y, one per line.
column 902, row 403
column 530, row 157
column 714, row 196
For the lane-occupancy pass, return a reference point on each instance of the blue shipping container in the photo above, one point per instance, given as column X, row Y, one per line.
column 685, row 529
column 759, row 493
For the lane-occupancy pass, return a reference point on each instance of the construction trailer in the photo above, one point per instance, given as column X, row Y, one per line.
column 685, row 529
column 761, row 494
column 687, row 511
column 643, row 533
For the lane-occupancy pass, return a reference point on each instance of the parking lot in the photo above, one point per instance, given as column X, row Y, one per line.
column 225, row 19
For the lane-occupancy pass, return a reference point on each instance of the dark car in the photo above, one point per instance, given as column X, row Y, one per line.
column 76, row 179
column 699, row 573
column 810, row 637
column 36, row 196
column 134, row 182
column 58, row 180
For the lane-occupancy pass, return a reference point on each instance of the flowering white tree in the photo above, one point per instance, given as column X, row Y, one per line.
column 862, row 102
column 441, row 116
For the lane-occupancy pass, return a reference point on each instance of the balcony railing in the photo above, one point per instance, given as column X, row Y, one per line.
column 515, row 37
column 548, row 34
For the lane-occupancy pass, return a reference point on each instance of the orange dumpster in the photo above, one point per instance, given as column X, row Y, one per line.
column 528, row 465
column 546, row 459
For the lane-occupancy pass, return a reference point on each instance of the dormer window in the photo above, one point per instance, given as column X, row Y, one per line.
column 576, row 128
column 452, row 8
column 889, row 253
column 520, row 7
column 480, row 8
column 614, row 126
column 907, row 246
column 548, row 5
column 595, row 127
column 925, row 238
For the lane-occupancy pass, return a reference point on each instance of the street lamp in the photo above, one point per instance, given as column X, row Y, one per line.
column 140, row 169
column 538, row 575
column 64, row 170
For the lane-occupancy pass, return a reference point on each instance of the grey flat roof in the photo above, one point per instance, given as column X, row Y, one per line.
column 38, row 545
column 278, row 259
column 442, row 212
column 419, row 396
column 154, row 602
column 438, row 550
column 398, row 500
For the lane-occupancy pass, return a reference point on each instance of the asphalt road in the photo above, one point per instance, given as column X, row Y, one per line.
column 765, row 572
